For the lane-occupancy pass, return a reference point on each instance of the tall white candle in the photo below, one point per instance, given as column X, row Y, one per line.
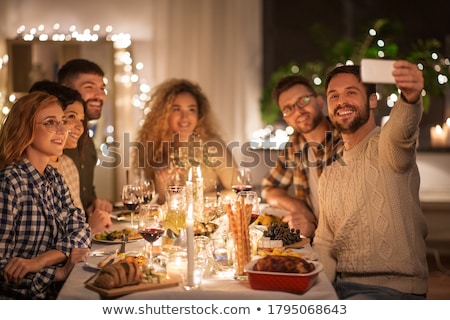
column 199, row 191
column 190, row 245
column 438, row 136
column 446, row 128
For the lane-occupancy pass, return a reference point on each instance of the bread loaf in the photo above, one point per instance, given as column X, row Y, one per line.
column 288, row 264
column 120, row 274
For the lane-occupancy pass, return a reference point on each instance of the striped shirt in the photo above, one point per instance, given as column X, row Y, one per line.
column 36, row 214
column 69, row 171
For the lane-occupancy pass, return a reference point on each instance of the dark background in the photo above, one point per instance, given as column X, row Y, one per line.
column 288, row 32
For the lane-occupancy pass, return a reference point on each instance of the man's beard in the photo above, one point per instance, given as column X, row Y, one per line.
column 316, row 120
column 358, row 121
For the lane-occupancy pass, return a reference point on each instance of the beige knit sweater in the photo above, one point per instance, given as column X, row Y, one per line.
column 371, row 227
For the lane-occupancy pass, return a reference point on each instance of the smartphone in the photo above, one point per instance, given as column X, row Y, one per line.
column 377, row 71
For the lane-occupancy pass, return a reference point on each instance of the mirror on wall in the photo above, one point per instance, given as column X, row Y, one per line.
column 25, row 62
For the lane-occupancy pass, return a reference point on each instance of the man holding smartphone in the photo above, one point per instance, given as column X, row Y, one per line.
column 371, row 232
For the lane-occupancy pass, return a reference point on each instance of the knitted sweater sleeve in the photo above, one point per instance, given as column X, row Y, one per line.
column 399, row 136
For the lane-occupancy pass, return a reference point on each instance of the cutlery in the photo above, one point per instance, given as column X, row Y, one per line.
column 101, row 253
column 122, row 246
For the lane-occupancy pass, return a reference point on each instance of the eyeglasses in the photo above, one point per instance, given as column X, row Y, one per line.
column 52, row 126
column 301, row 103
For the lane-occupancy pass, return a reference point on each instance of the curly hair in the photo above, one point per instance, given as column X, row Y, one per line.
column 155, row 133
column 21, row 119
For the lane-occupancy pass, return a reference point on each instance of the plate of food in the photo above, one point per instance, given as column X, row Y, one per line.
column 283, row 273
column 116, row 236
column 121, row 215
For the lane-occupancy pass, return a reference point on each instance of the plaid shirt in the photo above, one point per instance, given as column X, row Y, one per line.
column 36, row 214
column 292, row 165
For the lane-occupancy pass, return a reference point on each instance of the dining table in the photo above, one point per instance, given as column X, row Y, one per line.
column 220, row 286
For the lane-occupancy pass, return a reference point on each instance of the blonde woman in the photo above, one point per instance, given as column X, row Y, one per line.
column 180, row 132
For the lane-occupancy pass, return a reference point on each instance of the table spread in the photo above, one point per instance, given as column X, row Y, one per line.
column 212, row 288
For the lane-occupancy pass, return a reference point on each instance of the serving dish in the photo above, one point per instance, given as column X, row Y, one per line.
column 278, row 281
column 117, row 292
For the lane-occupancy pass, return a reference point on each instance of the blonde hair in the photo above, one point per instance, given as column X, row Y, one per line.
column 17, row 132
column 155, row 133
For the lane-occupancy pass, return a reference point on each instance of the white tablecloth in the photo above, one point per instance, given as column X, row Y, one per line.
column 211, row 289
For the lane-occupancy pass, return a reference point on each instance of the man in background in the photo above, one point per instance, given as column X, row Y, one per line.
column 313, row 145
column 87, row 78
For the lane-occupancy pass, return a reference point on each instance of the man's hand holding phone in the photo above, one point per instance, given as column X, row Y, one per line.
column 377, row 71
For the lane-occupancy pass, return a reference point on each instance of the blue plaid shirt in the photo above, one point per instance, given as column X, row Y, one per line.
column 36, row 214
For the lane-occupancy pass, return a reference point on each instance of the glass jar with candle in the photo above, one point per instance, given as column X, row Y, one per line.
column 174, row 239
column 177, row 270
column 204, row 258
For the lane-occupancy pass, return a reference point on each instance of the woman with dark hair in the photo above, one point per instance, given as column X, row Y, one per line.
column 75, row 110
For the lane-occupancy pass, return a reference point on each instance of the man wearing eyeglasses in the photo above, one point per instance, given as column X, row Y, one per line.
column 313, row 145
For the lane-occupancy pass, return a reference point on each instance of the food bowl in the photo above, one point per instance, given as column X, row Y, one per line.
column 279, row 281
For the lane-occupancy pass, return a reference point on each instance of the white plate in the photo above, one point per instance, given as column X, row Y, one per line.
column 114, row 241
column 121, row 215
column 95, row 257
column 93, row 261
column 267, row 209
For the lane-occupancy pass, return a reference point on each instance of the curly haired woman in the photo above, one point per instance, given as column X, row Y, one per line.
column 180, row 132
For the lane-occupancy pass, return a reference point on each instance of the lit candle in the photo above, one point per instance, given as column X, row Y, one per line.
column 438, row 136
column 384, row 120
column 190, row 245
column 176, row 266
column 199, row 191
column 446, row 128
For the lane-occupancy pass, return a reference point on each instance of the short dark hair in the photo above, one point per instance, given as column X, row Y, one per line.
column 288, row 82
column 64, row 94
column 72, row 68
column 352, row 69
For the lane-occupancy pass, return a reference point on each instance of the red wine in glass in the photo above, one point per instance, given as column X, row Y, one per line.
column 241, row 187
column 253, row 217
column 151, row 234
column 130, row 205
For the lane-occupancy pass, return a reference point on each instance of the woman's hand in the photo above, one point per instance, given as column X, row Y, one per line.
column 99, row 220
column 18, row 268
column 77, row 255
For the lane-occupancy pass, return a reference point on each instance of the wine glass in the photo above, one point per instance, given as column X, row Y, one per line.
column 150, row 226
column 146, row 191
column 130, row 200
column 241, row 180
